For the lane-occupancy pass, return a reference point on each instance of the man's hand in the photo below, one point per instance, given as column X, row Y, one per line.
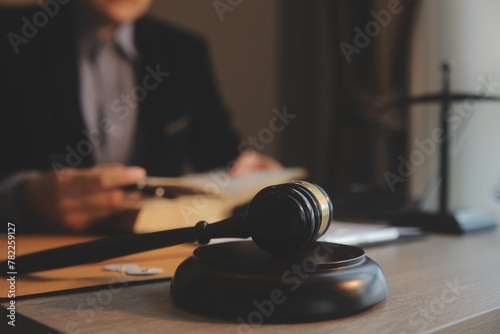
column 77, row 198
column 251, row 161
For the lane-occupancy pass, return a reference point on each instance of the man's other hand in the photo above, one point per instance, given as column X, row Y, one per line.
column 76, row 199
column 251, row 161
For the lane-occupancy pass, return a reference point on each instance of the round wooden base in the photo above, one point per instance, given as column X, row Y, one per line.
column 240, row 281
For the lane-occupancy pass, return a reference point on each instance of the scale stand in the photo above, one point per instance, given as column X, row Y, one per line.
column 444, row 220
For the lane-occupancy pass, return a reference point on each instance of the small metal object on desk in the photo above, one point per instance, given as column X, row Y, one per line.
column 123, row 267
column 144, row 271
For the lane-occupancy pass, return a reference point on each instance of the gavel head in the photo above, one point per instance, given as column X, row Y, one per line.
column 284, row 218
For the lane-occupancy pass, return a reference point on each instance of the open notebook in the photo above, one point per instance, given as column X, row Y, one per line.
column 211, row 197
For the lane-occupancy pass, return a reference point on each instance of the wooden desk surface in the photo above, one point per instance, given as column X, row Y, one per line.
column 448, row 284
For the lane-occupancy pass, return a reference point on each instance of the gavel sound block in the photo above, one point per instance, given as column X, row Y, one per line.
column 239, row 280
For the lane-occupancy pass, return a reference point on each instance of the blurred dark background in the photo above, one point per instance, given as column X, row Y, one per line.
column 332, row 63
column 357, row 56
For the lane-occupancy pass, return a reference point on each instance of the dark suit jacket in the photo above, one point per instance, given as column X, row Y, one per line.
column 181, row 120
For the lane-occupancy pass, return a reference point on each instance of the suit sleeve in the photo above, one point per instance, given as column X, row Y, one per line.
column 213, row 141
column 14, row 149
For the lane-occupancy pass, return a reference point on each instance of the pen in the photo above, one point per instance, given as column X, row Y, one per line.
column 151, row 191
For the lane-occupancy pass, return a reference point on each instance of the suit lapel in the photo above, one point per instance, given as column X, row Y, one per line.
column 155, row 110
column 154, row 54
column 60, row 52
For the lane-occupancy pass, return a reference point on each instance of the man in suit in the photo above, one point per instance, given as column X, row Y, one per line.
column 95, row 95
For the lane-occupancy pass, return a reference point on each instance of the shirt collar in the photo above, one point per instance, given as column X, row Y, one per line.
column 123, row 38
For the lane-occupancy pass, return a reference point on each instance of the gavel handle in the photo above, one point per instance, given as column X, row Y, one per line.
column 108, row 248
